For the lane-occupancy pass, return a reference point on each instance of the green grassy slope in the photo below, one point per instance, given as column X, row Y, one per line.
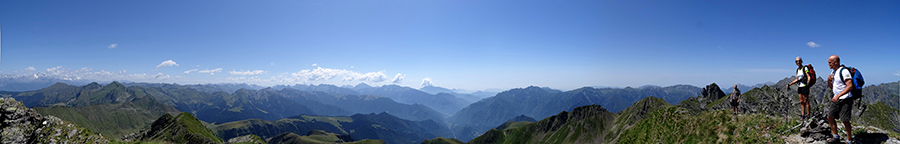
column 676, row 125
column 882, row 116
column 112, row 120
column 182, row 128
column 586, row 124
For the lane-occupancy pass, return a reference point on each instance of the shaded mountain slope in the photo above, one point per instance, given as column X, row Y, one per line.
column 220, row 107
column 382, row 126
column 114, row 109
column 444, row 103
column 321, row 88
column 60, row 94
column 246, row 104
column 317, row 137
column 365, row 104
column 465, row 96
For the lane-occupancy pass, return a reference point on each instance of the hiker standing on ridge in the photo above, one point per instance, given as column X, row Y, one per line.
column 735, row 99
column 841, row 105
column 803, row 84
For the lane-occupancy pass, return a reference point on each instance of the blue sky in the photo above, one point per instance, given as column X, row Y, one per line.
column 456, row 44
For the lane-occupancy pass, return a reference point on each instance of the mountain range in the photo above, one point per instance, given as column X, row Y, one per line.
column 540, row 103
column 584, row 115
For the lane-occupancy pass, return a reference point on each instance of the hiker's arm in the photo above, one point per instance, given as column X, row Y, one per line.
column 849, row 83
column 792, row 83
column 831, row 81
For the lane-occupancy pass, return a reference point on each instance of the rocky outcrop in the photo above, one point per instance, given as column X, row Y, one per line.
column 21, row 124
column 770, row 100
column 710, row 93
column 816, row 130
column 246, row 139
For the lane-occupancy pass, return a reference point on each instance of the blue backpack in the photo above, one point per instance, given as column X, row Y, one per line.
column 858, row 80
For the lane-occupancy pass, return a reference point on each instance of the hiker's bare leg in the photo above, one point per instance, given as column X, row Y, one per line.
column 832, row 125
column 804, row 109
column 849, row 129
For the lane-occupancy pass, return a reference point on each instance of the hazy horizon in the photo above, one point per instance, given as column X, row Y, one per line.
column 472, row 45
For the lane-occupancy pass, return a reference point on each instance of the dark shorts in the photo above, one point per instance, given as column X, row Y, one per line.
column 734, row 102
column 841, row 110
column 803, row 90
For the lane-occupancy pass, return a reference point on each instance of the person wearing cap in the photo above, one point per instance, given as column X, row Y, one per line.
column 802, row 87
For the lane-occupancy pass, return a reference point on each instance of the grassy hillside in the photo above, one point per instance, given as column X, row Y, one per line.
column 112, row 120
column 882, row 116
column 587, row 124
column 676, row 125
column 182, row 128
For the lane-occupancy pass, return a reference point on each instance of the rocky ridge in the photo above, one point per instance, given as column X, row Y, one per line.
column 23, row 125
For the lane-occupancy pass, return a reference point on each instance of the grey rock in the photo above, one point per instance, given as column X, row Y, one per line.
column 23, row 125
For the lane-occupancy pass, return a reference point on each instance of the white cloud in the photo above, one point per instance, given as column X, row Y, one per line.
column 398, row 78
column 427, row 82
column 189, row 71
column 254, row 72
column 370, row 76
column 315, row 64
column 211, row 72
column 112, row 46
column 166, row 63
column 812, row 44
column 87, row 74
column 271, row 63
column 320, row 74
column 897, row 74
column 29, row 69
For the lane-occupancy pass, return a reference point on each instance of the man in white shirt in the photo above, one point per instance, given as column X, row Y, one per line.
column 802, row 88
column 842, row 104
